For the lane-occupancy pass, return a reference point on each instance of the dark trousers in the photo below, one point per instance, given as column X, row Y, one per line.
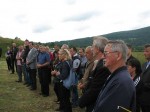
column 44, row 80
column 65, row 103
column 32, row 73
column 24, row 71
column 13, row 65
column 50, row 76
column 74, row 93
column 8, row 60
column 145, row 108
column 19, row 72
column 57, row 90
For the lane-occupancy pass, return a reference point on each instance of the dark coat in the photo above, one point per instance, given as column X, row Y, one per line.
column 26, row 51
column 118, row 90
column 88, row 99
column 145, row 86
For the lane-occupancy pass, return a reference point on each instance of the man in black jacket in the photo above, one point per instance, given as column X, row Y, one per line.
column 13, row 58
column 145, row 82
column 97, row 77
column 25, row 54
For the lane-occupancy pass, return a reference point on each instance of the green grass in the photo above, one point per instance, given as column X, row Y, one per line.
column 16, row 97
column 139, row 56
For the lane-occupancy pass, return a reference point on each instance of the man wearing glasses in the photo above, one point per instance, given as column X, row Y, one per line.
column 118, row 90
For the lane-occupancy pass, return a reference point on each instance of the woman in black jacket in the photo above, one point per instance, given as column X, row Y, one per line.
column 62, row 74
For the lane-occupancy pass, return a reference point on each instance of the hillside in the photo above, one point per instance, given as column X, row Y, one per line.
column 138, row 37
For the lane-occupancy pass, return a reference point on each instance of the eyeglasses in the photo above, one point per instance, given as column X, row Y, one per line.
column 107, row 52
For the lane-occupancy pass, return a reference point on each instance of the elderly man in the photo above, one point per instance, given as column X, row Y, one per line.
column 88, row 67
column 118, row 91
column 97, row 75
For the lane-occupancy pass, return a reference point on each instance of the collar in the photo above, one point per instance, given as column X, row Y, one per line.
column 75, row 55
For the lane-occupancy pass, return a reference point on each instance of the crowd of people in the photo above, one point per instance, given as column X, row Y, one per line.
column 110, row 78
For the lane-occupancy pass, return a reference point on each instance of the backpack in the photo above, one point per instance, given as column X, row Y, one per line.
column 71, row 79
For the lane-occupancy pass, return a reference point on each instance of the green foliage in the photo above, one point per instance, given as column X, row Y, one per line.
column 137, row 38
column 6, row 42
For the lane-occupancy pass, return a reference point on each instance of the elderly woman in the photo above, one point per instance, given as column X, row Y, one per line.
column 62, row 74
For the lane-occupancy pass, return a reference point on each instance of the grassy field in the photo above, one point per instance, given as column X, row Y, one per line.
column 139, row 56
column 16, row 97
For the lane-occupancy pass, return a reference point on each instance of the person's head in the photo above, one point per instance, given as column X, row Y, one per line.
column 81, row 52
column 42, row 48
column 26, row 42
column 36, row 46
column 73, row 51
column 147, row 51
column 64, row 54
column 98, row 45
column 89, row 53
column 56, row 47
column 134, row 67
column 64, row 46
column 115, row 54
column 47, row 49
column 31, row 45
column 20, row 47
column 14, row 44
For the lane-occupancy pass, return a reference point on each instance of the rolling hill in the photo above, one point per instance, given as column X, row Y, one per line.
column 138, row 37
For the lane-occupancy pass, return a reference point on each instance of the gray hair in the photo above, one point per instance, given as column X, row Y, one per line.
column 65, row 46
column 89, row 47
column 100, row 42
column 119, row 45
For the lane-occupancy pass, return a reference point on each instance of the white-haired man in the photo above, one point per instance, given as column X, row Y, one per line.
column 119, row 88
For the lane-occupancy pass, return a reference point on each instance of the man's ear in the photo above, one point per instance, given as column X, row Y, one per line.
column 119, row 56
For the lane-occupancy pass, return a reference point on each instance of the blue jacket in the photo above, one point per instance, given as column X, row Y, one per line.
column 118, row 90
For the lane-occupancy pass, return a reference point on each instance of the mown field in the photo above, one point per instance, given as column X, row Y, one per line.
column 16, row 97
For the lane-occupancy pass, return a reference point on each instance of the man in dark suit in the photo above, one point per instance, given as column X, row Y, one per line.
column 145, row 82
column 119, row 89
column 13, row 57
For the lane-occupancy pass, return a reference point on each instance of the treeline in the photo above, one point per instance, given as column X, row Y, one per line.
column 137, row 38
column 6, row 42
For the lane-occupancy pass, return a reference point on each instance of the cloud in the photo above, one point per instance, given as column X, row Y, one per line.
column 145, row 14
column 83, row 16
column 21, row 19
column 41, row 28
column 83, row 28
column 70, row 2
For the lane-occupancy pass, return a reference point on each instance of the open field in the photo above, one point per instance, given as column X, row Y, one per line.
column 16, row 97
column 139, row 56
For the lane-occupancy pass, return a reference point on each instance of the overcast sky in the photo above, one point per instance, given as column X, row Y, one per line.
column 56, row 20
